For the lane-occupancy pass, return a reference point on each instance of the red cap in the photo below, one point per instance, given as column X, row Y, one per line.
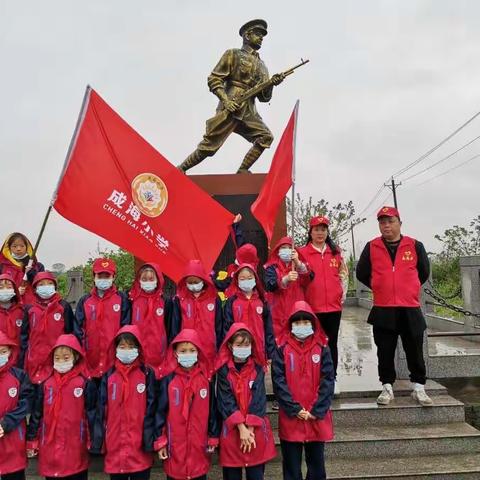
column 388, row 212
column 104, row 265
column 314, row 221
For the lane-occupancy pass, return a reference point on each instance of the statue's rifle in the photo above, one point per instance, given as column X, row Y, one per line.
column 251, row 92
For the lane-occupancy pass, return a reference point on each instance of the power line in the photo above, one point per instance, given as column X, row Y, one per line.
column 436, row 147
column 441, row 160
column 448, row 171
column 379, row 191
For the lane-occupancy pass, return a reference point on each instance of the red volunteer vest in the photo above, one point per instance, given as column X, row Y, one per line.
column 395, row 284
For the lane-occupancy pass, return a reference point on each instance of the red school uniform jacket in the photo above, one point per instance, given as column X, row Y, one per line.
column 62, row 418
column 16, row 394
column 253, row 312
column 202, row 313
column 242, row 398
column 47, row 320
column 151, row 313
column 97, row 320
column 324, row 292
column 188, row 412
column 303, row 377
column 125, row 424
column 281, row 298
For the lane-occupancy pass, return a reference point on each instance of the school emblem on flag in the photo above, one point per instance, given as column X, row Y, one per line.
column 150, row 194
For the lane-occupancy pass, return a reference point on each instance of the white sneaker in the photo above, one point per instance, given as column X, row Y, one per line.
column 421, row 396
column 386, row 396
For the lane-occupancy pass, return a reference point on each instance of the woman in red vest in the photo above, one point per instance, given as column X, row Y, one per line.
column 303, row 382
column 395, row 266
column 327, row 290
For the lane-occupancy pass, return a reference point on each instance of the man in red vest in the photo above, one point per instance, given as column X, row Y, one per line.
column 394, row 267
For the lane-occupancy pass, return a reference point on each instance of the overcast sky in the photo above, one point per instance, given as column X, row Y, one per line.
column 387, row 81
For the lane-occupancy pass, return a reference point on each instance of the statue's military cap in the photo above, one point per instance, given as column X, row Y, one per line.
column 257, row 23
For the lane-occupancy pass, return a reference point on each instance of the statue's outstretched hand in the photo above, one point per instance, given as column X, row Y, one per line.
column 278, row 78
column 231, row 105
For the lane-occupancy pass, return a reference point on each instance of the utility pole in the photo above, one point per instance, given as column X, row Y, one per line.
column 393, row 187
column 353, row 242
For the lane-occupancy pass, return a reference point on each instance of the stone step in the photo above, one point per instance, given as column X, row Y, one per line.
column 418, row 467
column 402, row 411
column 380, row 441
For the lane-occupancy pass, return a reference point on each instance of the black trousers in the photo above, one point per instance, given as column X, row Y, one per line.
column 330, row 322
column 386, row 342
column 143, row 475
column 203, row 477
column 292, row 460
column 19, row 475
column 253, row 473
column 77, row 476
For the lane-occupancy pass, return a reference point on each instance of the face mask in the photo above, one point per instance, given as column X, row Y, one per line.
column 242, row 353
column 19, row 257
column 103, row 283
column 187, row 360
column 148, row 286
column 127, row 355
column 302, row 331
column 63, row 367
column 247, row 285
column 7, row 294
column 195, row 287
column 285, row 255
column 4, row 359
column 45, row 291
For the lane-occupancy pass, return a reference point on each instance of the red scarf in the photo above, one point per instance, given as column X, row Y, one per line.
column 191, row 384
column 242, row 388
column 47, row 307
column 60, row 381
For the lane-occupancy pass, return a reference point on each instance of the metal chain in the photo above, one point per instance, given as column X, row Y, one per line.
column 450, row 306
column 449, row 297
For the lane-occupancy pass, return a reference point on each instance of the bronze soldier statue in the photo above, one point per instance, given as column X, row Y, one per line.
column 238, row 71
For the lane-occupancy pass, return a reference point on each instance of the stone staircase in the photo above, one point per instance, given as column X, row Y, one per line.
column 400, row 441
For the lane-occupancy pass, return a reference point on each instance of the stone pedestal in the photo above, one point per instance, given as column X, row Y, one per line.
column 75, row 287
column 237, row 192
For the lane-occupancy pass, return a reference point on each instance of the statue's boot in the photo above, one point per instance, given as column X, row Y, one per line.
column 250, row 158
column 193, row 159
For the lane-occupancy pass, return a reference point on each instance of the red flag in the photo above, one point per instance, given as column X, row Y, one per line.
column 115, row 184
column 279, row 179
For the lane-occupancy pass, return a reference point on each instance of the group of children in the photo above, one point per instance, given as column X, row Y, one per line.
column 136, row 375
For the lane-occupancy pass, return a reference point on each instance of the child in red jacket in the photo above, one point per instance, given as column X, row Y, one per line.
column 187, row 410
column 197, row 306
column 17, row 260
column 13, row 317
column 247, row 305
column 303, row 382
column 63, row 414
column 49, row 316
column 125, row 423
column 98, row 317
column 246, row 440
column 151, row 312
column 16, row 394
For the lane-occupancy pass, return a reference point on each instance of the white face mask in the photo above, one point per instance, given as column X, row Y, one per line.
column 19, row 257
column 4, row 359
column 148, row 286
column 127, row 355
column 6, row 294
column 195, row 287
column 103, row 283
column 63, row 367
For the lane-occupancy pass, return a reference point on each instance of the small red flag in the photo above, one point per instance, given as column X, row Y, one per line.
column 115, row 184
column 279, row 179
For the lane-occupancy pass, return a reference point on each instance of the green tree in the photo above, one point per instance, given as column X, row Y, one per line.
column 341, row 216
column 460, row 241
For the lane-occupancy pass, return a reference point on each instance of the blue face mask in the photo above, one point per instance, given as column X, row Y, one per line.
column 187, row 360
column 247, row 285
column 4, row 359
column 285, row 255
column 103, row 283
column 45, row 291
column 195, row 287
column 19, row 257
column 148, row 286
column 242, row 353
column 302, row 331
column 6, row 294
column 127, row 355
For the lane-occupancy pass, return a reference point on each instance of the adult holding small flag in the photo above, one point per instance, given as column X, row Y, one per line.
column 115, row 184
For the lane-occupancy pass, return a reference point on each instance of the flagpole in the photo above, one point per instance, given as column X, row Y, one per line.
column 294, row 165
column 73, row 141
